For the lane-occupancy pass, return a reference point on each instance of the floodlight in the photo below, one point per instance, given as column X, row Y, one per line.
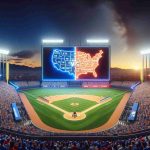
column 5, row 52
column 103, row 41
column 144, row 52
column 51, row 41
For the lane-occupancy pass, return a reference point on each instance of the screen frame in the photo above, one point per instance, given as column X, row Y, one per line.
column 103, row 46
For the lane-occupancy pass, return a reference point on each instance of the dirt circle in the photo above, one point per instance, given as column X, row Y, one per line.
column 74, row 104
column 80, row 116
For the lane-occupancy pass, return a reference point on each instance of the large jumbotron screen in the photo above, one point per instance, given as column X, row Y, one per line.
column 75, row 63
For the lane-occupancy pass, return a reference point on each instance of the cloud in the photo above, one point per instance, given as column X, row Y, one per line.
column 123, row 18
column 14, row 58
column 26, row 58
column 25, row 54
column 122, row 13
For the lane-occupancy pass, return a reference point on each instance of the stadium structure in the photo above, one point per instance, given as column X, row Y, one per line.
column 75, row 98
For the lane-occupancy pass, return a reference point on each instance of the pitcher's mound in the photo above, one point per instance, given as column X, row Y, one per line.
column 80, row 116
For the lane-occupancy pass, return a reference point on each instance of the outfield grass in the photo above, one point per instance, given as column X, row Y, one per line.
column 95, row 117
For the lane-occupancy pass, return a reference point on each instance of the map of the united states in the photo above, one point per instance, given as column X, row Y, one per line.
column 76, row 63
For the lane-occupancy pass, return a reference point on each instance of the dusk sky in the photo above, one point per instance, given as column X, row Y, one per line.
column 23, row 23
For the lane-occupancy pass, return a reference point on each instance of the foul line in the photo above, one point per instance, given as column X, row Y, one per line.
column 63, row 111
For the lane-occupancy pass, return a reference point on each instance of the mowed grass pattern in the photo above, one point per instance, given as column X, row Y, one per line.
column 82, row 104
column 94, row 118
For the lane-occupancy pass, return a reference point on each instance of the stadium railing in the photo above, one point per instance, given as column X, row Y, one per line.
column 64, row 136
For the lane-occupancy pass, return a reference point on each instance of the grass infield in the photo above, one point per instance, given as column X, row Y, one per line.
column 80, row 104
column 94, row 118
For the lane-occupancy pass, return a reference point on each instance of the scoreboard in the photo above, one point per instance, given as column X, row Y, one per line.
column 76, row 63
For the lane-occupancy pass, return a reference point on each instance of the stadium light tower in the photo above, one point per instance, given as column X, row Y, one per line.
column 4, row 52
column 145, row 64
column 3, row 60
column 52, row 41
column 144, row 52
column 97, row 41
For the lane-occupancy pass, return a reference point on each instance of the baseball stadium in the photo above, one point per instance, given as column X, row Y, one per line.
column 75, row 94
column 68, row 94
column 76, row 107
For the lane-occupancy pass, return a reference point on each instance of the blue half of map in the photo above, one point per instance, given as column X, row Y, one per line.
column 64, row 61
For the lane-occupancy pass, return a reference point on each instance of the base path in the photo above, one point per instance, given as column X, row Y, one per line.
column 100, row 103
column 109, row 124
column 54, row 98
column 55, row 107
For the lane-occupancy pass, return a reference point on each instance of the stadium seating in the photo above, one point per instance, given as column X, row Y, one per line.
column 8, row 95
column 9, row 142
column 27, row 84
column 141, row 95
column 124, row 84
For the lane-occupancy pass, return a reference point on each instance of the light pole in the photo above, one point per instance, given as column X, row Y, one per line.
column 3, row 61
column 145, row 56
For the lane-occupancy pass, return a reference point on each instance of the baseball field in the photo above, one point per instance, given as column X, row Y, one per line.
column 56, row 107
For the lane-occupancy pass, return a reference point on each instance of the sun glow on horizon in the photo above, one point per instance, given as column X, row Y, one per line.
column 136, row 67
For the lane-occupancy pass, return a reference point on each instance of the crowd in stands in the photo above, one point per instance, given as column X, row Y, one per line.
column 8, row 95
column 27, row 84
column 9, row 142
column 141, row 95
column 126, row 84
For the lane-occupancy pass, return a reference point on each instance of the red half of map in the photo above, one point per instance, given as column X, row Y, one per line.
column 85, row 63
